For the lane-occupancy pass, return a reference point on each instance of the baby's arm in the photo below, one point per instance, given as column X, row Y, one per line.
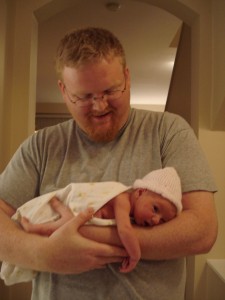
column 126, row 233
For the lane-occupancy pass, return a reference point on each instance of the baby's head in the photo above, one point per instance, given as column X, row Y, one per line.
column 159, row 195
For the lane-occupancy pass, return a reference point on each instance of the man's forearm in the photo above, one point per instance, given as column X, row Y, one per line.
column 17, row 247
column 177, row 238
column 193, row 232
column 166, row 241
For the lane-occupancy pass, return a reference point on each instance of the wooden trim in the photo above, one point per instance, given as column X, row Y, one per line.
column 51, row 108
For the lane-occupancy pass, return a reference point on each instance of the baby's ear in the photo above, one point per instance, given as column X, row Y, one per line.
column 139, row 191
column 136, row 194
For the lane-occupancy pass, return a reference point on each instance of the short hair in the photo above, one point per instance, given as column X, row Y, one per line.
column 90, row 44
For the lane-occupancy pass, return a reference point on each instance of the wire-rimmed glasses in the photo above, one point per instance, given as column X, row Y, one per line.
column 87, row 100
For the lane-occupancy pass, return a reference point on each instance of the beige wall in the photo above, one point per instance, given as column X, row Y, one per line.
column 18, row 75
column 2, row 56
column 18, row 37
column 213, row 144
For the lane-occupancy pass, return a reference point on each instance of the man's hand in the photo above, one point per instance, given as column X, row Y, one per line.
column 64, row 234
column 68, row 252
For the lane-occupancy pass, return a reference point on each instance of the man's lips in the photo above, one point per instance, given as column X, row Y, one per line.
column 102, row 117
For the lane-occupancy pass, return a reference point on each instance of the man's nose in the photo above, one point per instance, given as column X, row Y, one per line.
column 99, row 103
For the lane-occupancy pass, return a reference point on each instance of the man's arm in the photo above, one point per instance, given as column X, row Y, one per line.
column 11, row 235
column 194, row 231
column 65, row 251
column 6, row 208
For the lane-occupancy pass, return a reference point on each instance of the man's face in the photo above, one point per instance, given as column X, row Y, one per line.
column 103, row 118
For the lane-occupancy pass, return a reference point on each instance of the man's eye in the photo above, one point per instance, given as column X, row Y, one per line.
column 110, row 92
column 86, row 97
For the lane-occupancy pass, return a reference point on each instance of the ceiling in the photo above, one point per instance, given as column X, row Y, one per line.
column 148, row 34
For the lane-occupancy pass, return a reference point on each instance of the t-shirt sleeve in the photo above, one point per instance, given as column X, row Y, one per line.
column 20, row 179
column 180, row 149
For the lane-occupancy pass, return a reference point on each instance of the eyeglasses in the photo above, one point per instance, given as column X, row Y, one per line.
column 108, row 95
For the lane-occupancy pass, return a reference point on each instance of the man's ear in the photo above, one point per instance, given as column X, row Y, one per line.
column 127, row 75
column 61, row 87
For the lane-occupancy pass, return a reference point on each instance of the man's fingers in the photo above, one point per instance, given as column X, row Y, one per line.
column 105, row 250
column 83, row 217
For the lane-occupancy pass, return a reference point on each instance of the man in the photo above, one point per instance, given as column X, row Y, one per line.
column 106, row 140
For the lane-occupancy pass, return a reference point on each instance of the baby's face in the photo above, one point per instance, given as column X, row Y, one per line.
column 152, row 209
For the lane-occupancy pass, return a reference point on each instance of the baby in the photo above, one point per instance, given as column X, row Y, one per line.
column 152, row 200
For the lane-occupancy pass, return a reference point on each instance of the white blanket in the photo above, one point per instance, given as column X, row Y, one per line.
column 77, row 196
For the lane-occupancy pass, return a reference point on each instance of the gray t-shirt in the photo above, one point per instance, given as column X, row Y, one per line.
column 56, row 156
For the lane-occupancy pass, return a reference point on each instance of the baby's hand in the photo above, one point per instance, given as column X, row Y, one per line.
column 48, row 228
